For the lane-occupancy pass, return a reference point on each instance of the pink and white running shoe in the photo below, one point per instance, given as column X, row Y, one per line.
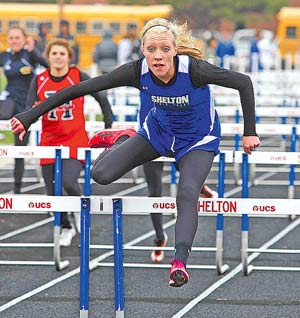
column 108, row 137
column 178, row 274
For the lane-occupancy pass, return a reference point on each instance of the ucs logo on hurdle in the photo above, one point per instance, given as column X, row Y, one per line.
column 7, row 203
column 39, row 205
column 163, row 205
column 217, row 206
column 264, row 208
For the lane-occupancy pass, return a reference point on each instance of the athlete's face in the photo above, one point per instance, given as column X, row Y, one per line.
column 159, row 51
column 58, row 58
column 16, row 40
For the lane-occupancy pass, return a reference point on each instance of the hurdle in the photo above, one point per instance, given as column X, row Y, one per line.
column 116, row 209
column 217, row 206
column 39, row 204
column 262, row 130
column 277, row 207
column 119, row 206
column 224, row 157
column 38, row 152
column 236, row 130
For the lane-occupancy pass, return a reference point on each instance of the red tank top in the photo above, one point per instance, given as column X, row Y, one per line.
column 64, row 125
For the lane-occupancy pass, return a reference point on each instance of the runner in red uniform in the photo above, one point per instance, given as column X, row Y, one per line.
column 65, row 125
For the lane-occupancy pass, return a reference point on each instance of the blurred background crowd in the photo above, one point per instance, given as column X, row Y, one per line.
column 269, row 31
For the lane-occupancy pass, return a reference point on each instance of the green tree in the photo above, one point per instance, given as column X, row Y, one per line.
column 201, row 13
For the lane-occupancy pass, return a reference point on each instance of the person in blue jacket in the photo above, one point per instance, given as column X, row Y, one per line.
column 224, row 49
column 255, row 56
column 19, row 62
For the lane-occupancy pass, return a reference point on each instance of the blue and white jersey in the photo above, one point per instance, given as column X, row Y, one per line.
column 182, row 117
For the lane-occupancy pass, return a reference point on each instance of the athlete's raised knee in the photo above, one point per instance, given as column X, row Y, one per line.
column 101, row 175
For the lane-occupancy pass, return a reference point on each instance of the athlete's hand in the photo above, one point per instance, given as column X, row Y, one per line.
column 250, row 143
column 17, row 127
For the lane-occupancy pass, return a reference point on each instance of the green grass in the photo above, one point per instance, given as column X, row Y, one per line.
column 7, row 138
column 2, row 80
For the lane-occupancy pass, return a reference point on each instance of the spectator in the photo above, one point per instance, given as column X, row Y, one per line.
column 267, row 50
column 255, row 58
column 225, row 48
column 19, row 62
column 129, row 48
column 65, row 33
column 210, row 50
column 262, row 51
column 64, row 126
column 106, row 53
column 42, row 37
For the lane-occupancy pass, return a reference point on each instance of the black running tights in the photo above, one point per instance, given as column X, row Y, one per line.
column 71, row 169
column 19, row 163
column 194, row 168
column 153, row 175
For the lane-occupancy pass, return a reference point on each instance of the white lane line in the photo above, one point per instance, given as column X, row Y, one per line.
column 49, row 284
column 29, row 188
column 26, row 228
column 93, row 264
column 235, row 271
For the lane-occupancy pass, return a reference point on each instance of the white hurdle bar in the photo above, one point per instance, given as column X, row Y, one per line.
column 57, row 153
